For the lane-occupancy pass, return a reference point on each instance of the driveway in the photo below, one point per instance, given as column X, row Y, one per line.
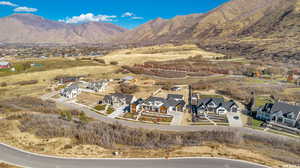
column 235, row 122
column 177, row 118
column 117, row 113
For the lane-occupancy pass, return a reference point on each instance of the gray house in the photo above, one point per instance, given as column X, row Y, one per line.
column 98, row 86
column 173, row 103
column 281, row 113
column 71, row 91
column 119, row 100
column 217, row 105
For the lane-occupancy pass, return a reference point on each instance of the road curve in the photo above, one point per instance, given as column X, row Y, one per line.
column 25, row 159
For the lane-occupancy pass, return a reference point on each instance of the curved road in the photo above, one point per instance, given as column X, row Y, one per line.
column 25, row 159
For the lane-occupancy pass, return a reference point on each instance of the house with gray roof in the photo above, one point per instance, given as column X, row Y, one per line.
column 119, row 100
column 281, row 113
column 161, row 105
column 70, row 91
column 99, row 86
column 217, row 105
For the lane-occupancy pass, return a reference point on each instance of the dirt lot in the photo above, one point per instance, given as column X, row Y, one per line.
column 156, row 53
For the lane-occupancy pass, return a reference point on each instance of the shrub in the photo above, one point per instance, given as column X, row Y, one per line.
column 30, row 82
column 83, row 118
column 102, row 61
column 127, row 88
column 114, row 62
column 3, row 84
column 100, row 107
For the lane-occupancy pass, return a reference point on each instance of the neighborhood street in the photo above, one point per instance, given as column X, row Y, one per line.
column 29, row 160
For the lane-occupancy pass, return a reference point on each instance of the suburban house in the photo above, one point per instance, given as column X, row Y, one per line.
column 173, row 103
column 98, row 86
column 217, row 105
column 4, row 65
column 119, row 100
column 136, row 106
column 71, row 91
column 280, row 113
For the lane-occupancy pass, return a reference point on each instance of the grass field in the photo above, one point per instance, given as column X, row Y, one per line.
column 25, row 66
column 45, row 79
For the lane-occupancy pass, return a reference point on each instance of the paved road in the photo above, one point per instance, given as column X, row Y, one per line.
column 24, row 159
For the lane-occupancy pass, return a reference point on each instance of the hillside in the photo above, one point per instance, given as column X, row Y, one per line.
column 255, row 28
column 28, row 28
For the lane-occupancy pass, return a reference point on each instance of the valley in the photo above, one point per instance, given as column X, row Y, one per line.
column 219, row 84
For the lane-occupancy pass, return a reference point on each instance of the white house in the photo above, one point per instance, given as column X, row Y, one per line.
column 71, row 91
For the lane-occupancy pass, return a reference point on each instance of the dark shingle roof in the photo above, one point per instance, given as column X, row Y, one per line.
column 174, row 96
column 281, row 107
column 127, row 97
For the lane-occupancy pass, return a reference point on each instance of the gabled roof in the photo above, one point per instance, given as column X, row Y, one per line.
column 71, row 88
column 128, row 98
column 155, row 99
column 206, row 101
column 138, row 101
column 174, row 96
column 281, row 107
column 229, row 104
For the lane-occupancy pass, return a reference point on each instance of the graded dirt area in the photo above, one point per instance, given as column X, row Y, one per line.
column 156, row 53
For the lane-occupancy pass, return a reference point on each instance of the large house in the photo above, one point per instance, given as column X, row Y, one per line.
column 217, row 105
column 119, row 100
column 173, row 103
column 71, row 91
column 281, row 113
column 4, row 65
column 98, row 86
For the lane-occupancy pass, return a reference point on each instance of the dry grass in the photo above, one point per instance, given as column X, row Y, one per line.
column 45, row 79
column 156, row 53
column 4, row 165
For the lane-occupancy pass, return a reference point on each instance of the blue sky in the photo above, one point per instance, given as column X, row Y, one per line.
column 126, row 13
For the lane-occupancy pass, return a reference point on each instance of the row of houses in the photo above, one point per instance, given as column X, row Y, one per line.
column 280, row 113
column 73, row 90
column 171, row 103
column 216, row 105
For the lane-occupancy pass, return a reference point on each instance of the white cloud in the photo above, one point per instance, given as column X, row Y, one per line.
column 89, row 17
column 7, row 3
column 131, row 16
column 25, row 9
column 128, row 14
column 136, row 18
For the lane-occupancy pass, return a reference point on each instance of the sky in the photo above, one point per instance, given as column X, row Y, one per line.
column 125, row 13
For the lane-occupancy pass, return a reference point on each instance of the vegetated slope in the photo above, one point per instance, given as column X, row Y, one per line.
column 269, row 26
column 29, row 28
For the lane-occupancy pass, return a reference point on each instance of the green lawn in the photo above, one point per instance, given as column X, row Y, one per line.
column 100, row 107
column 262, row 100
column 256, row 123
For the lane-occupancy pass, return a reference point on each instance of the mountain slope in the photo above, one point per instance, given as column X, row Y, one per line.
column 255, row 27
column 28, row 28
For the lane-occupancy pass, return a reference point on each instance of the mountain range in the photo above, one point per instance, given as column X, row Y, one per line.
column 248, row 27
